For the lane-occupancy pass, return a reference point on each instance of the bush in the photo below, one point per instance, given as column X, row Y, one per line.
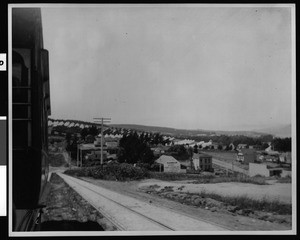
column 125, row 171
column 245, row 202
column 201, row 178
column 156, row 167
column 146, row 166
column 56, row 160
column 170, row 176
column 111, row 171
column 286, row 179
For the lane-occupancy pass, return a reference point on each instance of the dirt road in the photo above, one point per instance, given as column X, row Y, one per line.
column 229, row 166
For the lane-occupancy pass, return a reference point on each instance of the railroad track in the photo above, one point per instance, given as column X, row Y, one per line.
column 120, row 226
column 129, row 214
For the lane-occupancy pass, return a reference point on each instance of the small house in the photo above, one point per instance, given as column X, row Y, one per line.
column 202, row 162
column 246, row 155
column 285, row 157
column 158, row 151
column 231, row 146
column 170, row 164
column 268, row 170
column 240, row 157
column 242, row 146
column 272, row 158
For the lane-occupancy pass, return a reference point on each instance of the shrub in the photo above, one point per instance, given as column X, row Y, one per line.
column 146, row 166
column 56, row 160
column 245, row 202
column 169, row 176
column 286, row 179
column 156, row 167
column 201, row 178
column 111, row 171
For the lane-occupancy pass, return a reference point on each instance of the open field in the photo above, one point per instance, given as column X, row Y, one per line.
column 278, row 191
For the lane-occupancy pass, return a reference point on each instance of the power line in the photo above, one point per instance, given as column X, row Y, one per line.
column 106, row 120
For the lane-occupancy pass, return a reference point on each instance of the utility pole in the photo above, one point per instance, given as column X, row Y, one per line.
column 106, row 120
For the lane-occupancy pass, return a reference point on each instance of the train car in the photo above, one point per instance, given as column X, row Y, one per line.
column 30, row 111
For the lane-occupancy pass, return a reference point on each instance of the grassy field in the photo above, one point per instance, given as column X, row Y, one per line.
column 244, row 202
column 198, row 178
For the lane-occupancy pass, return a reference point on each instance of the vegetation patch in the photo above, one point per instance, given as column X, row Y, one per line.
column 264, row 209
column 56, row 160
column 175, row 176
column 112, row 171
column 199, row 178
column 239, row 178
column 287, row 179
column 244, row 202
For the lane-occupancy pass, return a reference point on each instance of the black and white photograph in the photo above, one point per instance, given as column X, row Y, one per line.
column 151, row 119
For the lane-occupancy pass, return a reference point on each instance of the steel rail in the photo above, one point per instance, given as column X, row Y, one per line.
column 127, row 208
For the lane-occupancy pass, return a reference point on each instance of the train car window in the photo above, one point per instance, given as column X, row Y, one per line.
column 46, row 91
column 20, row 79
column 21, row 102
column 45, row 76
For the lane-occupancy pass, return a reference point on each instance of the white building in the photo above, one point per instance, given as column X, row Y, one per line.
column 170, row 164
column 266, row 170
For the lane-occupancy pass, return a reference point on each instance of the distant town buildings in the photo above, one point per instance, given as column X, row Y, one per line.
column 202, row 162
column 241, row 146
column 268, row 170
column 246, row 156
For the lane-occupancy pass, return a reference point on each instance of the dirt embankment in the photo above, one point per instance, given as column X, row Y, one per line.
column 67, row 211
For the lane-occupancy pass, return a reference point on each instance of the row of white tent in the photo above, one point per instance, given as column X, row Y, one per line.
column 192, row 143
column 67, row 124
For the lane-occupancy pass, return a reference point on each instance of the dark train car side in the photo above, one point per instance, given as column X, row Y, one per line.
column 30, row 111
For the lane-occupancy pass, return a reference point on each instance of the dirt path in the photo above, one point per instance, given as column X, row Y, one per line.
column 229, row 166
column 230, row 221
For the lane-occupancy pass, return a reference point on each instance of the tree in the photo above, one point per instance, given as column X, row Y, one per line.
column 133, row 150
column 265, row 145
column 72, row 145
column 93, row 130
column 196, row 148
column 166, row 141
column 282, row 144
column 68, row 140
column 84, row 132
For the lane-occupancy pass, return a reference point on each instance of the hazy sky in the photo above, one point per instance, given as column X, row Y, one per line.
column 187, row 67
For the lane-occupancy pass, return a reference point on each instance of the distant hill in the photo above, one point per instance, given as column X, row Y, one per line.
column 185, row 132
column 282, row 131
column 64, row 121
column 162, row 130
column 242, row 133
